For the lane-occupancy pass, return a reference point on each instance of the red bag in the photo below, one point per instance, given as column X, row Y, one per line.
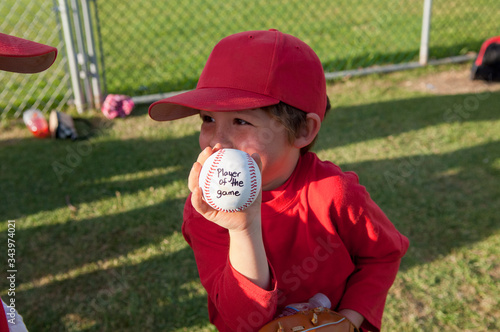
column 487, row 64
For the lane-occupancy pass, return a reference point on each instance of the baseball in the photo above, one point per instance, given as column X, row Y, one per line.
column 230, row 180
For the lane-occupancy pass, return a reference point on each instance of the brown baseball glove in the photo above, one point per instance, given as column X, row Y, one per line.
column 318, row 319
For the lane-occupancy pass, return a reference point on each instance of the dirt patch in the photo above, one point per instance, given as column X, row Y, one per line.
column 450, row 82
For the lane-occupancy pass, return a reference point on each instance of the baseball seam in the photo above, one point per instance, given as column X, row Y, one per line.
column 210, row 174
column 253, row 184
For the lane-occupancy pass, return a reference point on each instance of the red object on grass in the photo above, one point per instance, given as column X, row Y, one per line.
column 36, row 123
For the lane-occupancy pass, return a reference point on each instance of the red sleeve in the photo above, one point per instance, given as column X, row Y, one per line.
column 4, row 326
column 376, row 248
column 234, row 302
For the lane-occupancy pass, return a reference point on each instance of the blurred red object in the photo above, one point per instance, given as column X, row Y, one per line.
column 36, row 123
column 117, row 105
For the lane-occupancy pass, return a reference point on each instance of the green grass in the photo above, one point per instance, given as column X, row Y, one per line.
column 118, row 262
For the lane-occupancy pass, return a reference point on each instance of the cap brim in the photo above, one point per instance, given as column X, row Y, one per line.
column 25, row 56
column 207, row 99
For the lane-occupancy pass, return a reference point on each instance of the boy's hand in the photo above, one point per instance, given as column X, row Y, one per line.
column 246, row 247
column 233, row 221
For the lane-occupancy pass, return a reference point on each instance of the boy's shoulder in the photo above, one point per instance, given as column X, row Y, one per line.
column 327, row 185
column 324, row 170
column 326, row 179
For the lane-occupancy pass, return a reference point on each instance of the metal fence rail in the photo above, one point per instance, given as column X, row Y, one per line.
column 152, row 47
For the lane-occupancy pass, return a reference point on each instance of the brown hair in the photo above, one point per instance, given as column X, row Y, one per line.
column 293, row 120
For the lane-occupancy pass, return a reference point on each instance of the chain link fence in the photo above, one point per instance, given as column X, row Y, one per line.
column 461, row 26
column 38, row 21
column 156, row 46
column 159, row 46
column 175, row 38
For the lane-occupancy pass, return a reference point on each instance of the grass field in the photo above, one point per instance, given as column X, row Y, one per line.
column 98, row 242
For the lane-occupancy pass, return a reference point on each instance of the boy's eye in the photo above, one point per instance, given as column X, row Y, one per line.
column 241, row 122
column 206, row 118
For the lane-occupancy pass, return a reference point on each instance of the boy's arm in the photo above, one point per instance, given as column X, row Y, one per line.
column 234, row 302
column 248, row 256
column 231, row 260
column 246, row 246
column 376, row 247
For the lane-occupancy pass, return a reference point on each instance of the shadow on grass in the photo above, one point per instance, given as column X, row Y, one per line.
column 72, row 244
column 348, row 125
column 149, row 296
column 37, row 175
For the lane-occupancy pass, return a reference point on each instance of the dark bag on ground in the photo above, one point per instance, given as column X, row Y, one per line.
column 487, row 64
column 62, row 126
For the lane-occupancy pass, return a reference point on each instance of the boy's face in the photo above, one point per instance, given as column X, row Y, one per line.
column 252, row 131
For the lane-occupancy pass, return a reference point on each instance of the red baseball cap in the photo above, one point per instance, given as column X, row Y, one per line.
column 25, row 56
column 250, row 70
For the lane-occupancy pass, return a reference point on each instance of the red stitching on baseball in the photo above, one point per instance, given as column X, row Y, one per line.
column 211, row 172
column 253, row 181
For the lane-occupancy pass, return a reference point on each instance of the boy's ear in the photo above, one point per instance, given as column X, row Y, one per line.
column 309, row 131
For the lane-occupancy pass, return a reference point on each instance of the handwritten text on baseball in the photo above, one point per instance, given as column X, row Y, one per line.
column 228, row 178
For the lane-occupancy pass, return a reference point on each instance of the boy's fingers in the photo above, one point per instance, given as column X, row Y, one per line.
column 194, row 176
column 203, row 156
column 197, row 201
column 196, row 197
column 207, row 152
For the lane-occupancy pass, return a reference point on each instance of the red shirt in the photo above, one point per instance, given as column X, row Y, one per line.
column 322, row 233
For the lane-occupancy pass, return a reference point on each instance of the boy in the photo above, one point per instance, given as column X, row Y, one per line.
column 313, row 228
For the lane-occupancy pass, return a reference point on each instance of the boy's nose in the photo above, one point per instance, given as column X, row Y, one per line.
column 222, row 136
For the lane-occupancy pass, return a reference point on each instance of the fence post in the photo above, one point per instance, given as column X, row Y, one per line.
column 426, row 28
column 91, row 52
column 82, row 53
column 70, row 49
